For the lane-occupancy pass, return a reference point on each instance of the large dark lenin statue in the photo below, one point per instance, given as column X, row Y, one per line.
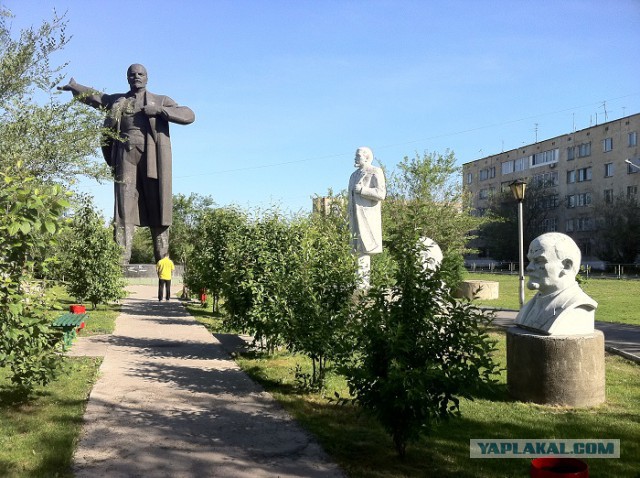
column 141, row 161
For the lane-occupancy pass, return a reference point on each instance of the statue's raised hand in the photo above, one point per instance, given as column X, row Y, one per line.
column 71, row 86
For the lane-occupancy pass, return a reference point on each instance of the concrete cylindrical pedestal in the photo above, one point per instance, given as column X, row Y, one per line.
column 478, row 289
column 556, row 370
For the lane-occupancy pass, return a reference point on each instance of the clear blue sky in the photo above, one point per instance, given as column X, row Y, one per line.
column 285, row 91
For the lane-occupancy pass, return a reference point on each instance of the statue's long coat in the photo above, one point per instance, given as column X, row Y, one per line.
column 365, row 209
column 158, row 145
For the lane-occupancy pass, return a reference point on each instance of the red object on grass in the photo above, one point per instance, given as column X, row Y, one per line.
column 77, row 309
column 558, row 468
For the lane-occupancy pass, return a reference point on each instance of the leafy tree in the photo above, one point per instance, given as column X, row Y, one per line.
column 207, row 258
column 500, row 231
column 426, row 196
column 321, row 296
column 43, row 141
column 94, row 272
column 186, row 212
column 418, row 349
column 30, row 219
column 257, row 278
column 142, row 247
column 618, row 229
column 52, row 140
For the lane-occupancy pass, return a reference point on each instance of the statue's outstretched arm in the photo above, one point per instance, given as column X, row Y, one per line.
column 85, row 94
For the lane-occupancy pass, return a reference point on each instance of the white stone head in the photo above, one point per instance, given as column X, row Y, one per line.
column 430, row 254
column 554, row 262
column 364, row 157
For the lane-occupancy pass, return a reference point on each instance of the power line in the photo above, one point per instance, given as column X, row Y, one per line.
column 387, row 146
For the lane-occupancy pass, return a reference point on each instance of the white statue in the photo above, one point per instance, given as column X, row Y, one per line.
column 430, row 254
column 367, row 190
column 560, row 307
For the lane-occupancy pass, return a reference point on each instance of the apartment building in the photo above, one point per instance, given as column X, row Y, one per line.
column 578, row 169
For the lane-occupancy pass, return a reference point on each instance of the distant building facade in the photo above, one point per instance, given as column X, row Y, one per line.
column 327, row 205
column 578, row 170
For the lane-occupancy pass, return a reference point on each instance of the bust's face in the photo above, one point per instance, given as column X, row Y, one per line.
column 362, row 158
column 547, row 273
column 137, row 77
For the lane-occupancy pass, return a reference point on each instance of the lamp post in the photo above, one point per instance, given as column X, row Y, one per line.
column 631, row 164
column 517, row 189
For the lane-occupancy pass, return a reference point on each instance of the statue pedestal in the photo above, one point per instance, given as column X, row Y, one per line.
column 478, row 289
column 556, row 370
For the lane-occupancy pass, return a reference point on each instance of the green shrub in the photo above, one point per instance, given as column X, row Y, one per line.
column 323, row 283
column 418, row 349
column 30, row 219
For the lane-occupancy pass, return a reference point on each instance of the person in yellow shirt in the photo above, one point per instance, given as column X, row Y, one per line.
column 164, row 267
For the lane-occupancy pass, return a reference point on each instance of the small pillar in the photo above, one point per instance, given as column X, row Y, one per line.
column 556, row 369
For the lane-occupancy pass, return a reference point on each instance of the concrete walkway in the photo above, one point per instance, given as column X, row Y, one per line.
column 620, row 339
column 170, row 402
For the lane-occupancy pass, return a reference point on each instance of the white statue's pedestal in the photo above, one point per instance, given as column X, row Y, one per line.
column 556, row 369
column 478, row 289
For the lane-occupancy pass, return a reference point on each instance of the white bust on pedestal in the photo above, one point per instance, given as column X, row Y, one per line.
column 560, row 307
column 367, row 190
column 430, row 254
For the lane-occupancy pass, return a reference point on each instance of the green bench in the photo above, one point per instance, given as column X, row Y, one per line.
column 70, row 324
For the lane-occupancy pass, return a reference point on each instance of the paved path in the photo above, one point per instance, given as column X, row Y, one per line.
column 170, row 402
column 618, row 338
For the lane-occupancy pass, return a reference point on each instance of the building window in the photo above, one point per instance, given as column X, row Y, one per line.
column 583, row 199
column 488, row 173
column 521, row 164
column 584, row 224
column 507, row 167
column 584, row 150
column 585, row 248
column 545, row 157
column 607, row 144
column 480, row 211
column 568, row 227
column 571, row 153
column 469, row 178
column 608, row 196
column 578, row 200
column 571, row 177
column 632, row 168
column 608, row 170
column 486, row 193
column 551, row 201
column 584, row 174
column 549, row 224
column 632, row 191
column 633, row 139
column 546, row 180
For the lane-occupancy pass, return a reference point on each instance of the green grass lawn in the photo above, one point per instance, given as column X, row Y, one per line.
column 101, row 320
column 38, row 436
column 363, row 449
column 618, row 300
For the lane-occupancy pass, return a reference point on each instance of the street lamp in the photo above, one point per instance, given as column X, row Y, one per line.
column 631, row 164
column 517, row 189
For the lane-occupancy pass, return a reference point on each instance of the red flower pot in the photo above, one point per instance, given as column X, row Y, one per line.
column 558, row 467
column 77, row 309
